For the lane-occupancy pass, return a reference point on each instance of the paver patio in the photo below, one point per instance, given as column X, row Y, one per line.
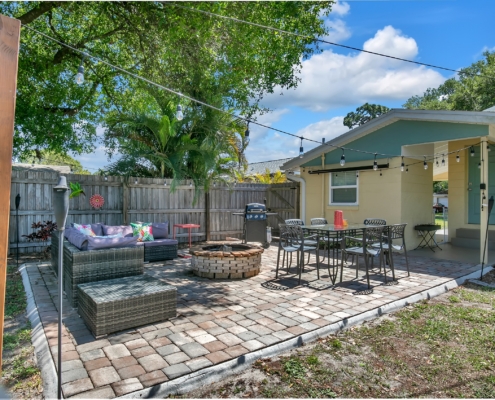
column 217, row 320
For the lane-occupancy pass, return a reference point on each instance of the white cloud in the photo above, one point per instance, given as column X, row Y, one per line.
column 281, row 146
column 338, row 31
column 257, row 132
column 340, row 8
column 330, row 80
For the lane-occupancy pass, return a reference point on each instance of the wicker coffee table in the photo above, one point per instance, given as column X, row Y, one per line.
column 117, row 304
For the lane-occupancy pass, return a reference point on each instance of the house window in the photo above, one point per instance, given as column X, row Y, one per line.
column 343, row 188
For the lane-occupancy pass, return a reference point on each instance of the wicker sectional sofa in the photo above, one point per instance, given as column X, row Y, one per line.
column 82, row 266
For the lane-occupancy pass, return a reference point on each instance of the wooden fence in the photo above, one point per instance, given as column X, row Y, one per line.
column 148, row 200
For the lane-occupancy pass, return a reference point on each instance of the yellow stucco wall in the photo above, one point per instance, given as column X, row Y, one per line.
column 395, row 196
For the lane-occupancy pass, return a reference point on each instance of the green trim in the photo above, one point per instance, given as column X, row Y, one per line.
column 391, row 138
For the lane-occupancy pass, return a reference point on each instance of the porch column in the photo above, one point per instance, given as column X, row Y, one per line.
column 484, row 202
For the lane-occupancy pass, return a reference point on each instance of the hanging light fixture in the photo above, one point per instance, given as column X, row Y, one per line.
column 375, row 164
column 458, row 157
column 479, row 165
column 488, row 148
column 80, row 72
column 380, row 172
column 357, row 175
column 407, row 170
column 425, row 164
column 246, row 132
column 106, row 178
column 190, row 184
column 342, row 158
column 179, row 115
column 472, row 151
column 301, row 150
column 136, row 181
column 437, row 162
column 322, row 140
column 164, row 183
column 402, row 165
column 443, row 160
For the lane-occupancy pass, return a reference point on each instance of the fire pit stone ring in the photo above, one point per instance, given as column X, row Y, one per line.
column 226, row 260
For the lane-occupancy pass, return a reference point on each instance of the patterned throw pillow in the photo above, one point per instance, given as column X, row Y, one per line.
column 85, row 229
column 143, row 231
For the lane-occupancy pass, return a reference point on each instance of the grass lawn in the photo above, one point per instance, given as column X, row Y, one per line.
column 441, row 222
column 444, row 347
column 20, row 375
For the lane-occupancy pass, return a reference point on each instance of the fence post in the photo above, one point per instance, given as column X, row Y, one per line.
column 207, row 215
column 125, row 202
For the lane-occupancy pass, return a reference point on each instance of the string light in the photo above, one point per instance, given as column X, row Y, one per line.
column 322, row 140
column 488, row 148
column 342, row 158
column 136, row 181
column 198, row 102
column 425, row 164
column 402, row 165
column 407, row 170
column 443, row 160
column 357, row 175
column 380, row 172
column 458, row 157
column 301, row 150
column 179, row 115
column 375, row 164
column 472, row 151
column 246, row 132
column 164, row 183
column 80, row 72
column 437, row 162
column 479, row 165
column 106, row 178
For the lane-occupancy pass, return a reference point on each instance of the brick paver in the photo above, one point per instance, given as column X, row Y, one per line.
column 217, row 320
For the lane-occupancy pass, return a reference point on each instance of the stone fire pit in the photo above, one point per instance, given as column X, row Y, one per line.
column 225, row 260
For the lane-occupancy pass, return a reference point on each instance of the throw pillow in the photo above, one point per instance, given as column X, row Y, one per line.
column 85, row 229
column 144, row 232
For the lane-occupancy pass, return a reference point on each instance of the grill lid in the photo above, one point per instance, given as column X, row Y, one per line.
column 255, row 208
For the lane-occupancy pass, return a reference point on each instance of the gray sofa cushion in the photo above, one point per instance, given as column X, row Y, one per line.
column 126, row 230
column 160, row 230
column 76, row 238
column 95, row 243
column 160, row 242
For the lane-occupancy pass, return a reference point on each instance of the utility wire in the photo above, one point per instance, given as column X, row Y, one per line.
column 271, row 28
column 84, row 53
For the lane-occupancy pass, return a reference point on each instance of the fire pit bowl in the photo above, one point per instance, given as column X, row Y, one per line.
column 225, row 260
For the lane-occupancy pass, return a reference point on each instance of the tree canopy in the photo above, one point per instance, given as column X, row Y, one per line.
column 472, row 90
column 198, row 55
column 363, row 114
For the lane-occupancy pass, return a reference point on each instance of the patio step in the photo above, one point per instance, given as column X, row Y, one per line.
column 470, row 238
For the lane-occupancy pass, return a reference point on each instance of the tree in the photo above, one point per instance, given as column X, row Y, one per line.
column 472, row 90
column 267, row 177
column 46, row 157
column 196, row 54
column 363, row 114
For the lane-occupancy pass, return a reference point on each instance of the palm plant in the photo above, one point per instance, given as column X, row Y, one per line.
column 267, row 177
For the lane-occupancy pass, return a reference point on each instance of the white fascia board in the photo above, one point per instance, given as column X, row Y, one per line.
column 461, row 117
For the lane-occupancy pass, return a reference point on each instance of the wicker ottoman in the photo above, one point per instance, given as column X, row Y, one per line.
column 117, row 304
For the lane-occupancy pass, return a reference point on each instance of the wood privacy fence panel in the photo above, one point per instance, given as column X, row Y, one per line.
column 148, row 201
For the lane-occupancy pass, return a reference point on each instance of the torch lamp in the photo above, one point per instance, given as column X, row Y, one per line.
column 60, row 210
column 17, row 203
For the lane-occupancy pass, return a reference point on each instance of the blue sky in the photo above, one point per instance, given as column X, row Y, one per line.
column 451, row 34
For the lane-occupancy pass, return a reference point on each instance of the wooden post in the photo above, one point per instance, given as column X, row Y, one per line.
column 10, row 30
column 207, row 215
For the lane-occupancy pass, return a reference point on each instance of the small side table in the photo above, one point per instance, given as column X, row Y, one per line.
column 427, row 231
column 185, row 226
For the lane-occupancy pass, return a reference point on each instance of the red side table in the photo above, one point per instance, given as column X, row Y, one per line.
column 185, row 226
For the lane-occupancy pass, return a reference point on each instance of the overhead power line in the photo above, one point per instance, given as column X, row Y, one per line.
column 271, row 28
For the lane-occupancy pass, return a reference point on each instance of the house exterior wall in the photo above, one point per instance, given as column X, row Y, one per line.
column 396, row 196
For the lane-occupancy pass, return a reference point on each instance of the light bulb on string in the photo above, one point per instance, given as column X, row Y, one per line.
column 437, row 162
column 472, row 151
column 380, row 172
column 402, row 165
column 79, row 79
column 479, row 165
column 301, row 150
column 425, row 164
column 322, row 140
column 488, row 148
column 190, row 184
column 135, row 181
column 342, row 158
column 164, row 183
column 179, row 114
column 246, row 132
column 443, row 160
column 407, row 170
column 106, row 178
column 357, row 175
column 458, row 157
column 375, row 164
